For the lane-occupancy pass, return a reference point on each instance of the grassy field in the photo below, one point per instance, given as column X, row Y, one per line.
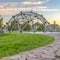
column 14, row 43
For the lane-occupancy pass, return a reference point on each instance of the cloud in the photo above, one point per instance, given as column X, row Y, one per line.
column 11, row 11
column 10, row 8
column 29, row 2
column 1, row 6
column 48, row 10
column 12, row 4
column 34, row 2
column 9, row 4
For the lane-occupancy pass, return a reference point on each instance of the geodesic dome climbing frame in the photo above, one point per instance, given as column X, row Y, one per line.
column 29, row 17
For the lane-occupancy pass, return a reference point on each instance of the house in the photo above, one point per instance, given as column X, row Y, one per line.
column 52, row 27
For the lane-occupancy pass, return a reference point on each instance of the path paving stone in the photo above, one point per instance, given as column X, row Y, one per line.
column 48, row 56
column 57, row 59
column 32, row 58
column 31, row 55
column 46, row 59
column 17, row 57
column 58, row 53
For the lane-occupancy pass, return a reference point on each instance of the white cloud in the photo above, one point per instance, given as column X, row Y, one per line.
column 29, row 2
column 9, row 11
column 6, row 10
column 48, row 10
column 12, row 11
column 1, row 6
column 6, row 4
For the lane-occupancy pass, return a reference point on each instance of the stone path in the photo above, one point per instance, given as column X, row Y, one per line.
column 50, row 52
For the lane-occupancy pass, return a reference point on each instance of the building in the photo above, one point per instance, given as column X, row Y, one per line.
column 53, row 28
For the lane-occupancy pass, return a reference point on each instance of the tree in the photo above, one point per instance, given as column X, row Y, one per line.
column 1, row 22
column 27, row 28
column 41, row 27
column 12, row 24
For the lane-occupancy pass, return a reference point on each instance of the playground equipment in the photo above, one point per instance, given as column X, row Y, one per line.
column 29, row 17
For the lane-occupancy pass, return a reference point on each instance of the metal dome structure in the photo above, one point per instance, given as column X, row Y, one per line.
column 25, row 16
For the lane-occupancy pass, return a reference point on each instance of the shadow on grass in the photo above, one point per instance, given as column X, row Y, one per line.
column 4, row 34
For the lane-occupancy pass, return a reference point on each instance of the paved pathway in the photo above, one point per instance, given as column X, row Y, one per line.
column 50, row 52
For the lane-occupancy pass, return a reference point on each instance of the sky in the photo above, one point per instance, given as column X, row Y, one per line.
column 50, row 9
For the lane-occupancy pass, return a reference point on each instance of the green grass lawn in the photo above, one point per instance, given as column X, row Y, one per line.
column 14, row 43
